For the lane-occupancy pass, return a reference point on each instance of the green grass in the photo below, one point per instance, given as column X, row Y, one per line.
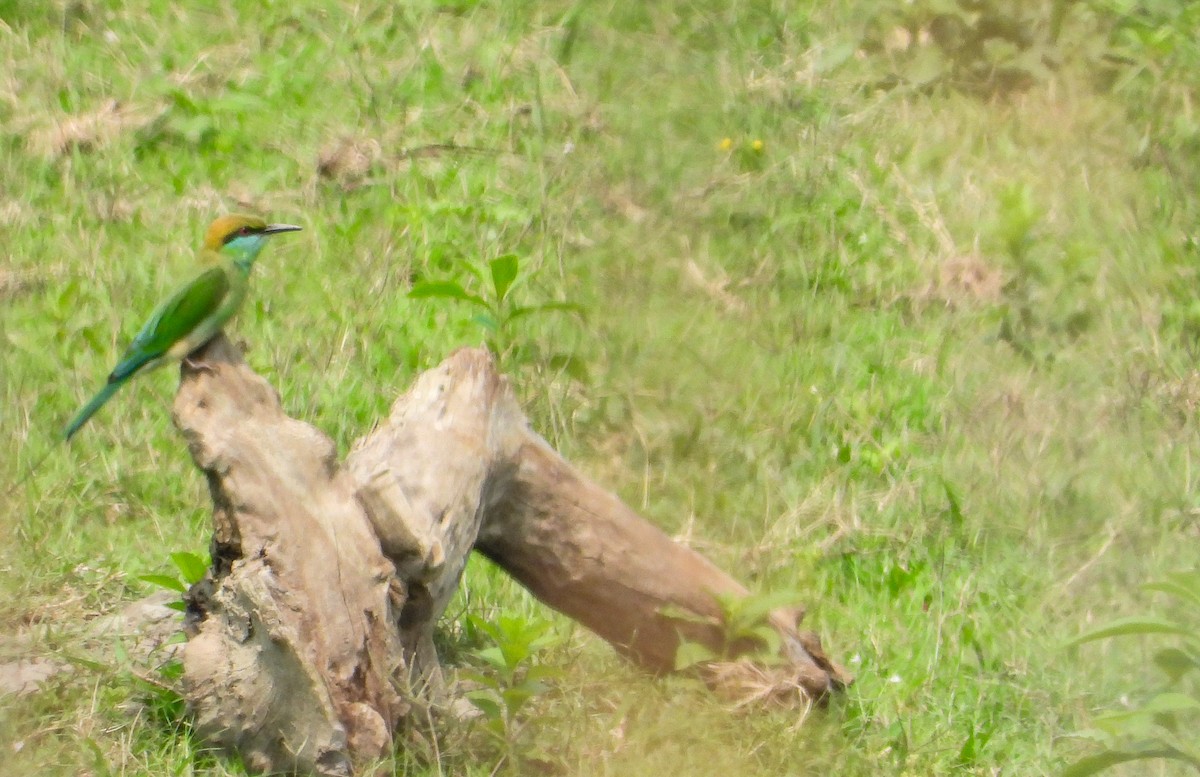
column 782, row 362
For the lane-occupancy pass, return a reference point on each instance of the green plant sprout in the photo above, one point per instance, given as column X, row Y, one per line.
column 497, row 313
column 1166, row 725
column 513, row 674
column 192, row 568
column 745, row 621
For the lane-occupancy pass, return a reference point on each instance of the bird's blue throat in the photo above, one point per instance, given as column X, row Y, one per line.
column 244, row 249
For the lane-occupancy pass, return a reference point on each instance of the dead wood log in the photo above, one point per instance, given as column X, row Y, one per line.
column 311, row 637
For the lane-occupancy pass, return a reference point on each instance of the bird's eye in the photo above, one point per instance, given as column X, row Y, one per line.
column 245, row 231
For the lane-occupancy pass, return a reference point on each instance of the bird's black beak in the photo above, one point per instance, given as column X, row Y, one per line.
column 275, row 229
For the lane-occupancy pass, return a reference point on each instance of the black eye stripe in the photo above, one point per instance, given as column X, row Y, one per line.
column 241, row 232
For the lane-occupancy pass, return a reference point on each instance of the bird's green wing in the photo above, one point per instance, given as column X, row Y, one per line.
column 174, row 319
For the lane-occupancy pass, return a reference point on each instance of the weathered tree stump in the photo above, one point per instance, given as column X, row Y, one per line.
column 311, row 637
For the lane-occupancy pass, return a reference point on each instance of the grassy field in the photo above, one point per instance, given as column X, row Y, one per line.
column 926, row 357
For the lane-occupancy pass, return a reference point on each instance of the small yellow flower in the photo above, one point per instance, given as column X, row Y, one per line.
column 725, row 144
column 757, row 146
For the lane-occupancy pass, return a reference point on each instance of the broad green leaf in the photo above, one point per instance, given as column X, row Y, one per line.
column 1132, row 625
column 526, row 690
column 1175, row 663
column 532, row 687
column 1146, row 721
column 492, row 656
column 192, row 566
column 514, row 699
column 516, row 652
column 446, row 290
column 675, row 612
column 1172, row 701
column 1185, row 587
column 164, row 581
column 504, row 272
column 1136, row 723
column 756, row 607
column 767, row 636
column 485, row 680
column 691, row 653
column 484, row 626
column 1094, row 764
column 486, row 703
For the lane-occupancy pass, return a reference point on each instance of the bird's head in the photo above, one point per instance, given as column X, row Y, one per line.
column 242, row 236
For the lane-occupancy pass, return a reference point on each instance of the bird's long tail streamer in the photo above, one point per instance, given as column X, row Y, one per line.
column 89, row 409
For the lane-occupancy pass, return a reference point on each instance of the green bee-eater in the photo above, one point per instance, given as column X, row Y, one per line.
column 197, row 310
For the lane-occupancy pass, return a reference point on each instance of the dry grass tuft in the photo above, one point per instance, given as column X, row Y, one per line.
column 14, row 283
column 716, row 286
column 621, row 202
column 749, row 686
column 348, row 161
column 86, row 132
column 1180, row 396
column 14, row 213
column 966, row 280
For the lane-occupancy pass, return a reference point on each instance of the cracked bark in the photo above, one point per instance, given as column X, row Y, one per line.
column 310, row 641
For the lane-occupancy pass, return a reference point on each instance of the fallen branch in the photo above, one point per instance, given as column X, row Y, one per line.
column 311, row 637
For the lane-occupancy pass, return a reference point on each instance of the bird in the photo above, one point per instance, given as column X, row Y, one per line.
column 197, row 310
